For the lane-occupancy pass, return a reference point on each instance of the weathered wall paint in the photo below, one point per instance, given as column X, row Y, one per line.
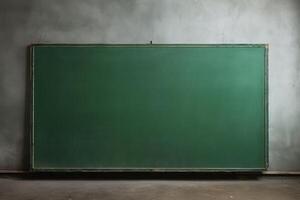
column 163, row 21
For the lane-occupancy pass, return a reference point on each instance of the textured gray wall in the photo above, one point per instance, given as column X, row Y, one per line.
column 164, row 21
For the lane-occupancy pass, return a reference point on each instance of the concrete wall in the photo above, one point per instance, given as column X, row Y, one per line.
column 163, row 21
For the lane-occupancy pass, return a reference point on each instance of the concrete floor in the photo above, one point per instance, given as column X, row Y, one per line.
column 12, row 188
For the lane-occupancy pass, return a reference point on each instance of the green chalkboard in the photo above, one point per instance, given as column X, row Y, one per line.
column 149, row 107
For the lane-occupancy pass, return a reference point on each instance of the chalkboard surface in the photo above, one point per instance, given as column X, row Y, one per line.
column 149, row 107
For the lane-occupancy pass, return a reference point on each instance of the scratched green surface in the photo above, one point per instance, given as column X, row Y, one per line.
column 148, row 107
